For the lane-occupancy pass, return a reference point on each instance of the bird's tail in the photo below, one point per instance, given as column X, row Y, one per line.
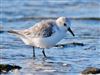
column 23, row 37
column 14, row 32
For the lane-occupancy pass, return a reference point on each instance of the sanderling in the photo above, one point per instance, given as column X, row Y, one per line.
column 44, row 34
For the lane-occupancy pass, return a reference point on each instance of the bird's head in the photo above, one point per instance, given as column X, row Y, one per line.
column 64, row 23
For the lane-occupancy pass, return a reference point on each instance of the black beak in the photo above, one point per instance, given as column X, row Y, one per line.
column 71, row 31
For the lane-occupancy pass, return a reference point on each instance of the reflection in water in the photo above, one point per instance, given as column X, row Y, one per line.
column 45, row 66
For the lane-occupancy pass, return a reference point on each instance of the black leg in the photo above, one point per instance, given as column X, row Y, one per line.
column 33, row 52
column 43, row 53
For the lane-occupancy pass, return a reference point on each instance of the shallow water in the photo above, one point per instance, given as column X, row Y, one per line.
column 67, row 60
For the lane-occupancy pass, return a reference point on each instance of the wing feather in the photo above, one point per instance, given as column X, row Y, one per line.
column 43, row 29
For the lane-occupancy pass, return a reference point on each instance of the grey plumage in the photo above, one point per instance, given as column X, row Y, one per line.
column 41, row 29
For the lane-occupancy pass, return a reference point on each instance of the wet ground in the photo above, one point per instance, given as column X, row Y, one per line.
column 68, row 60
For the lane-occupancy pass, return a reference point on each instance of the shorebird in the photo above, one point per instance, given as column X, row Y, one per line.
column 44, row 34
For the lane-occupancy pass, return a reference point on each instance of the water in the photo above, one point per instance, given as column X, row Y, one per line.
column 85, row 23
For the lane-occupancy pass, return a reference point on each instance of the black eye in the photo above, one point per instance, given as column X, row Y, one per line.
column 64, row 24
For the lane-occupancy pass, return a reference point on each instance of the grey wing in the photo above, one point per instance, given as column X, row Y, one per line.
column 43, row 29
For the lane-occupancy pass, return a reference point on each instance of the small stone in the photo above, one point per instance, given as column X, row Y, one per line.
column 91, row 70
column 4, row 68
column 78, row 44
column 69, row 44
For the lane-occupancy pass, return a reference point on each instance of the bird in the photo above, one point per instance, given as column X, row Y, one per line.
column 44, row 34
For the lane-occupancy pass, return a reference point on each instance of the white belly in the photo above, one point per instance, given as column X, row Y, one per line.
column 48, row 42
